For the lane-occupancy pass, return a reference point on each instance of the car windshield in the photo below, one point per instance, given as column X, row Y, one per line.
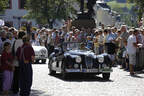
column 36, row 43
column 73, row 46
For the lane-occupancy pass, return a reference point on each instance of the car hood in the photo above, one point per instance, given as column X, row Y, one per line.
column 38, row 48
column 80, row 52
column 83, row 52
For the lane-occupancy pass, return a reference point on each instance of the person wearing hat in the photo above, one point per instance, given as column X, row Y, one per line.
column 50, row 42
column 110, row 45
column 17, row 43
column 101, row 41
column 96, row 43
column 89, row 43
column 25, row 55
column 131, row 50
column 2, row 39
column 131, row 31
column 7, row 67
column 9, row 38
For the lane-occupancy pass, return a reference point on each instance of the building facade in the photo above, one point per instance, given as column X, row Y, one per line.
column 104, row 14
column 13, row 15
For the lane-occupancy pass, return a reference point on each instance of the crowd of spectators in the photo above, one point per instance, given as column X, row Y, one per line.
column 17, row 56
column 121, row 43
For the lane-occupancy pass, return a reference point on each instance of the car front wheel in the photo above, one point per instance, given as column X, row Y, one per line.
column 63, row 73
column 51, row 72
column 43, row 61
column 106, row 76
column 36, row 61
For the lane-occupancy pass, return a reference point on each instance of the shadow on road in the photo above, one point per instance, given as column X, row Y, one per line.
column 33, row 93
column 38, row 93
column 136, row 76
column 82, row 78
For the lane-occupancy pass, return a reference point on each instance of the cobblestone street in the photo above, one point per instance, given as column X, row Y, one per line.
column 120, row 84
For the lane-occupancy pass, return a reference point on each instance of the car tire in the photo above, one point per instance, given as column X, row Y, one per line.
column 106, row 76
column 51, row 72
column 43, row 61
column 36, row 61
column 63, row 73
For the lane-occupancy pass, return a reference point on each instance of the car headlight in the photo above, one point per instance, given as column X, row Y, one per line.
column 76, row 66
column 101, row 59
column 78, row 59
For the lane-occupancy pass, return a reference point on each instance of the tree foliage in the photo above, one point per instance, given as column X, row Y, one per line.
column 46, row 11
column 139, row 7
column 3, row 5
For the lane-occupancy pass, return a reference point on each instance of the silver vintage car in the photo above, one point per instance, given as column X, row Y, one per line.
column 70, row 58
column 40, row 54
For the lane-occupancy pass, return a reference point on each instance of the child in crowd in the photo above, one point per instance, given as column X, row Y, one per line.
column 89, row 44
column 7, row 67
column 96, row 45
column 125, row 57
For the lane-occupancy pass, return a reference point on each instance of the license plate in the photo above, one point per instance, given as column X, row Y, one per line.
column 92, row 70
column 106, row 68
column 72, row 70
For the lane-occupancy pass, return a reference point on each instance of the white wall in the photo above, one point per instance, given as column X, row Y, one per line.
column 104, row 16
column 15, row 12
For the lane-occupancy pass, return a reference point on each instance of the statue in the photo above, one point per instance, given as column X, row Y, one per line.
column 85, row 19
column 90, row 6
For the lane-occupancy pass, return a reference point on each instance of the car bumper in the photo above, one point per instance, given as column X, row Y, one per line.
column 88, row 70
column 40, row 57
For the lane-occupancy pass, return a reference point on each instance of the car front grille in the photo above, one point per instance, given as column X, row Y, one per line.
column 89, row 62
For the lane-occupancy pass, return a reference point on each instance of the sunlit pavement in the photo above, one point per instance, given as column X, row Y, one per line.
column 120, row 84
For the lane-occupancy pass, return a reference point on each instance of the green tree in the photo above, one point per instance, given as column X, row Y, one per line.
column 139, row 7
column 3, row 5
column 46, row 11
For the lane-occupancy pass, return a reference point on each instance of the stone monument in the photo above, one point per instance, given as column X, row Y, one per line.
column 85, row 19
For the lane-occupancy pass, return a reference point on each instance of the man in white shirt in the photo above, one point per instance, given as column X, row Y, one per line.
column 101, row 41
column 131, row 49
